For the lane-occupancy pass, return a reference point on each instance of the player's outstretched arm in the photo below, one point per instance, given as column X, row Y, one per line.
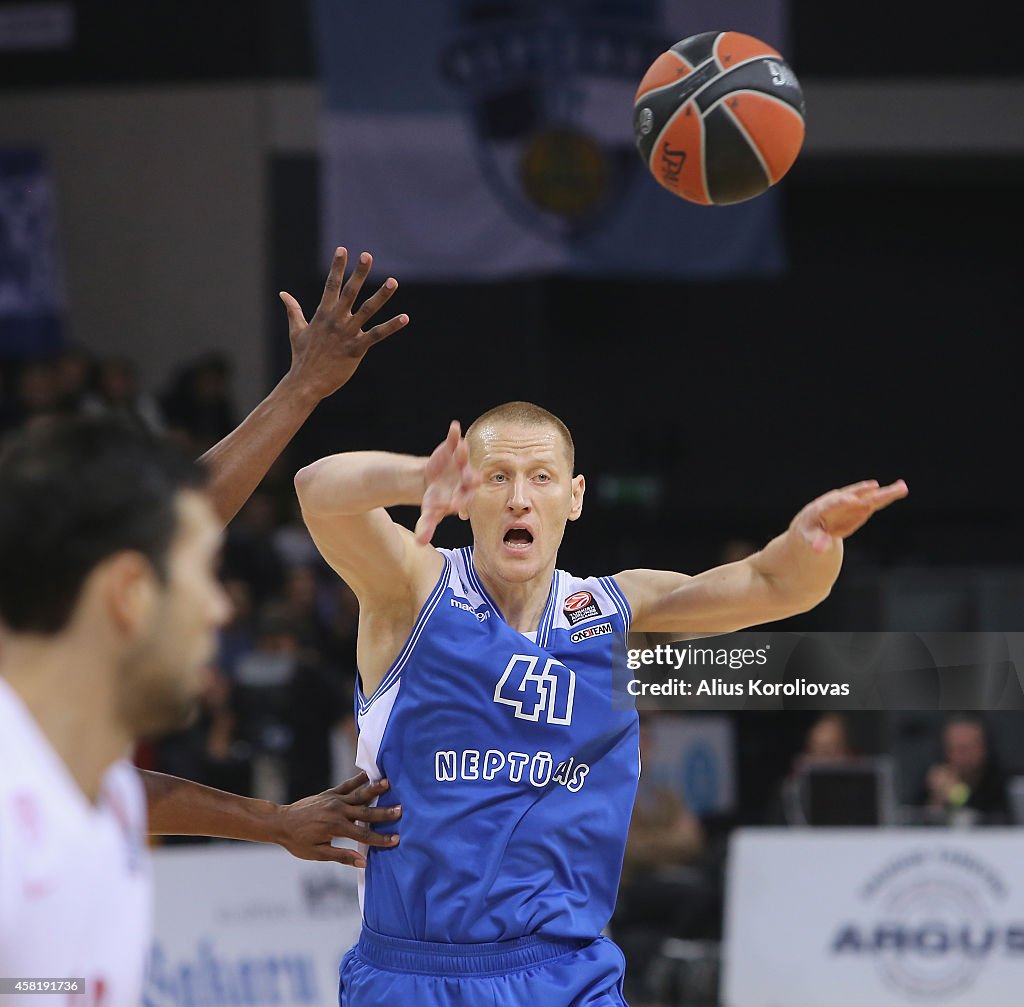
column 325, row 353
column 792, row 574
column 182, row 808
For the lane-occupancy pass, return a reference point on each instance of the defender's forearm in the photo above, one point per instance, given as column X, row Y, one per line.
column 360, row 481
column 238, row 463
column 182, row 808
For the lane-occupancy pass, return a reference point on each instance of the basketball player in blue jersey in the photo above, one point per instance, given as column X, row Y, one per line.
column 485, row 700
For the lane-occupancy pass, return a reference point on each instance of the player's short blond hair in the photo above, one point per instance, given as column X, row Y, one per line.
column 528, row 415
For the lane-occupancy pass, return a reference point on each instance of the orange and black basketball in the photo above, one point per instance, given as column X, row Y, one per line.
column 719, row 117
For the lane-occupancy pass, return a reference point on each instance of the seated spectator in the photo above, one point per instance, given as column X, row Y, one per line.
column 289, row 703
column 117, row 392
column 36, row 394
column 663, row 832
column 292, row 540
column 662, row 893
column 968, row 776
column 827, row 741
column 207, row 751
column 237, row 636
column 249, row 553
column 75, row 370
column 198, row 403
column 301, row 597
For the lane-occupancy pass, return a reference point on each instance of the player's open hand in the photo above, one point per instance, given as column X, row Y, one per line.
column 327, row 350
column 308, row 826
column 449, row 483
column 839, row 513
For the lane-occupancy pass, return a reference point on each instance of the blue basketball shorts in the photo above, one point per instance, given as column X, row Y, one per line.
column 385, row 971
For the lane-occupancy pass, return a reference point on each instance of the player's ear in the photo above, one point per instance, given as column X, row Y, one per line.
column 579, row 486
column 130, row 590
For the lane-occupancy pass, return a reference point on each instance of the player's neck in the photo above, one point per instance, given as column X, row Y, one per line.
column 521, row 603
column 72, row 701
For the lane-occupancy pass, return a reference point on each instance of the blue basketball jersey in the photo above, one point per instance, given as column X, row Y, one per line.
column 515, row 773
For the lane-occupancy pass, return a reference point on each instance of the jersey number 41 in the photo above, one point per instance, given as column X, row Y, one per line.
column 531, row 692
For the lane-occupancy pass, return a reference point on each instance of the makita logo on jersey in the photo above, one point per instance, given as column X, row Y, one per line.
column 481, row 616
column 590, row 632
column 580, row 606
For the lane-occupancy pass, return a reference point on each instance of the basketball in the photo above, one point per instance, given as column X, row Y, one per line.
column 719, row 118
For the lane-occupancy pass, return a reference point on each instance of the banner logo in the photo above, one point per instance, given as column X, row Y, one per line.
column 543, row 86
column 932, row 923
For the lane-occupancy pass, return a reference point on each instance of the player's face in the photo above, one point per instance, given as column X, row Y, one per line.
column 528, row 493
column 164, row 671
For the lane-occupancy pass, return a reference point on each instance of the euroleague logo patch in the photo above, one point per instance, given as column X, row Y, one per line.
column 579, row 607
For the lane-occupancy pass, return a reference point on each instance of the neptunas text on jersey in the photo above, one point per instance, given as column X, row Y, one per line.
column 518, row 767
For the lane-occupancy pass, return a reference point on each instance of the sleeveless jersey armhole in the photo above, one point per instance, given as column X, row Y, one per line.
column 394, row 672
column 619, row 600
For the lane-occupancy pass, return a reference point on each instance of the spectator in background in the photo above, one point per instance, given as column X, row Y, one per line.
column 289, row 703
column 238, row 635
column 735, row 549
column 345, row 608
column 663, row 832
column 344, row 739
column 301, row 600
column 969, row 775
column 292, row 540
column 75, row 369
column 661, row 893
column 36, row 393
column 249, row 552
column 209, row 751
column 826, row 742
column 198, row 402
column 116, row 392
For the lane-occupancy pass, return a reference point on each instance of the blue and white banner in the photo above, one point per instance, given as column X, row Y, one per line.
column 469, row 139
column 31, row 303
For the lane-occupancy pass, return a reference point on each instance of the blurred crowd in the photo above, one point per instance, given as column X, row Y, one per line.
column 276, row 716
column 195, row 406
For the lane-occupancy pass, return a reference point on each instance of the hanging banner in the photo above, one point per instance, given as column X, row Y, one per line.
column 31, row 303
column 480, row 140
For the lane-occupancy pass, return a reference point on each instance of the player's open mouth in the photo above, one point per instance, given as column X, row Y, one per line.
column 518, row 538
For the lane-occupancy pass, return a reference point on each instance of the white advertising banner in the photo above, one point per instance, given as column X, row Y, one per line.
column 248, row 925
column 874, row 918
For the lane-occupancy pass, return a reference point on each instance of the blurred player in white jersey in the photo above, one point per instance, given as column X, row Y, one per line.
column 110, row 604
